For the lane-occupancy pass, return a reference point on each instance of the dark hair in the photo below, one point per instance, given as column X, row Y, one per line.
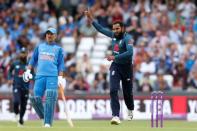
column 118, row 22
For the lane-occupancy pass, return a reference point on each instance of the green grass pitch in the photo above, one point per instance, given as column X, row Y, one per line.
column 99, row 125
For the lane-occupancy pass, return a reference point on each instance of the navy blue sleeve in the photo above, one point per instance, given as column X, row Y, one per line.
column 103, row 30
column 10, row 71
column 34, row 59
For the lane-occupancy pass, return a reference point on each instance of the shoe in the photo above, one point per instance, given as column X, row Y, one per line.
column 47, row 125
column 20, row 123
column 115, row 120
column 130, row 115
column 16, row 118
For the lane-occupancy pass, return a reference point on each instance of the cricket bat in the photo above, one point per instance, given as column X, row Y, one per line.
column 65, row 108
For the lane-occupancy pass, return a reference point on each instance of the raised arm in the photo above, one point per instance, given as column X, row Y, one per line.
column 98, row 27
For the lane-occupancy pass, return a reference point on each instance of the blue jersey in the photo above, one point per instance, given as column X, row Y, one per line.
column 48, row 59
column 122, row 48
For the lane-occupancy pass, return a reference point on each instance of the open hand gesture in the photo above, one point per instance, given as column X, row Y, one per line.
column 88, row 14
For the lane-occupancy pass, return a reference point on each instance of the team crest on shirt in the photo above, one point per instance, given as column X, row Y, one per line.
column 20, row 72
column 116, row 48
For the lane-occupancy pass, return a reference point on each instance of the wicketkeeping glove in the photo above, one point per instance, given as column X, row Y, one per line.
column 27, row 75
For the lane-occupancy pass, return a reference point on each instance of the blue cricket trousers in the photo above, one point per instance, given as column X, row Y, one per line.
column 121, row 72
column 42, row 83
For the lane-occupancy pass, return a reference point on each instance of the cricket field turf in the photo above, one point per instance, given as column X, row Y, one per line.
column 99, row 125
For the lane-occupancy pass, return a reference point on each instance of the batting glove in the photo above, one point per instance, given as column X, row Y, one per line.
column 27, row 75
column 61, row 81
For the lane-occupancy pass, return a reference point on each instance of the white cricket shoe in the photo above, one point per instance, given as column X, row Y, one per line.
column 115, row 120
column 47, row 125
column 16, row 118
column 130, row 115
column 20, row 125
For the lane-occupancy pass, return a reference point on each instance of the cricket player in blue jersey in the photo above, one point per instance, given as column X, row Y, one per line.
column 48, row 59
column 121, row 67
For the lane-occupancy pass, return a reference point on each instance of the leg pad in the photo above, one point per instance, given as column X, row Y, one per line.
column 51, row 98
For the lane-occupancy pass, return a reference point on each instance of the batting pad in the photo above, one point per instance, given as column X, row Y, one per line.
column 37, row 105
column 51, row 97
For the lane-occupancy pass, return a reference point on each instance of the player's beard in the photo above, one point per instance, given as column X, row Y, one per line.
column 23, row 59
column 119, row 35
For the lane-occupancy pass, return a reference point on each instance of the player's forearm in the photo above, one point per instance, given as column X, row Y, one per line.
column 29, row 67
column 61, row 69
column 10, row 73
column 125, row 55
column 32, row 62
column 34, row 59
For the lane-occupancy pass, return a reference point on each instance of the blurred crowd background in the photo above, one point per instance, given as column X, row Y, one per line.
column 165, row 34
